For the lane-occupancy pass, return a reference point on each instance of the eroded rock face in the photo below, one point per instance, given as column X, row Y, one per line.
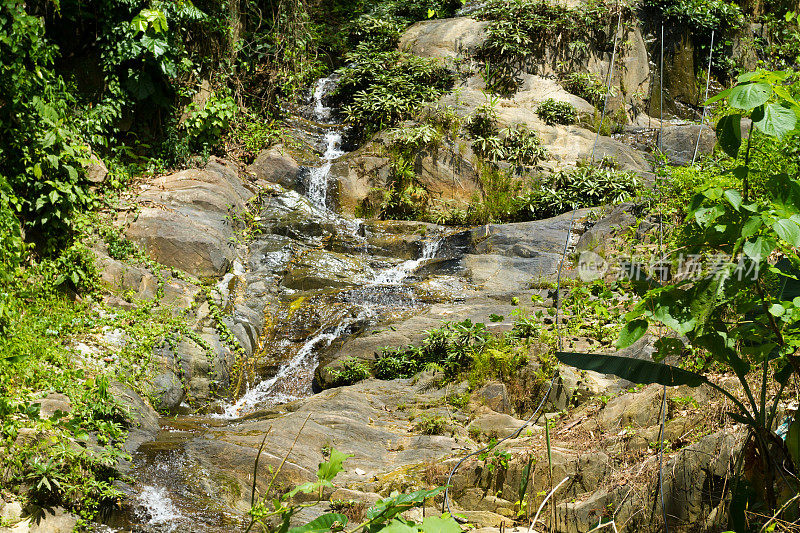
column 187, row 221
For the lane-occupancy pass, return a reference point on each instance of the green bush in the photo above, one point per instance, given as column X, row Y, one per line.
column 381, row 89
column 431, row 425
column 515, row 145
column 588, row 86
column 573, row 189
column 555, row 112
column 204, row 126
column 351, row 370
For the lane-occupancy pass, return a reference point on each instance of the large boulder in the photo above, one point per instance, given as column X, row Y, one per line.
column 276, row 165
column 186, row 221
column 444, row 38
column 680, row 141
column 566, row 145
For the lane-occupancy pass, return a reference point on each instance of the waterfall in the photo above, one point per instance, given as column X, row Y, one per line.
column 318, row 176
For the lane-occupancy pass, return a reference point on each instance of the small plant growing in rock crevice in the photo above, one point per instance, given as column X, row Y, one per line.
column 352, row 371
column 555, row 112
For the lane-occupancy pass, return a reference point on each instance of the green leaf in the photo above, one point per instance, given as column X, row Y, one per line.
column 750, row 95
column 433, row 524
column 396, row 526
column 759, row 249
column 777, row 310
column 634, row 370
column 729, row 134
column 632, row 332
column 734, row 198
column 717, row 97
column 323, row 524
column 751, row 227
column 328, row 470
column 776, row 120
column 788, row 230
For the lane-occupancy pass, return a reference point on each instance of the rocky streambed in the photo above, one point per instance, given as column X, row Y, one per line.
column 280, row 284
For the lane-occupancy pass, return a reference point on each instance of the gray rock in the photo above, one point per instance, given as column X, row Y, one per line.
column 144, row 419
column 48, row 520
column 186, row 223
column 96, row 170
column 444, row 38
column 54, row 402
column 679, row 142
column 495, row 425
column 618, row 220
column 10, row 511
column 167, row 391
column 495, row 396
column 640, row 409
column 276, row 165
column 319, row 269
column 698, row 475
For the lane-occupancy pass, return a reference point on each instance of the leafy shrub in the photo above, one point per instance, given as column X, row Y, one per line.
column 351, row 370
column 587, row 86
column 555, row 112
column 382, row 33
column 204, row 126
column 379, row 90
column 450, row 347
column 522, row 27
column 431, row 425
column 522, row 147
column 574, row 189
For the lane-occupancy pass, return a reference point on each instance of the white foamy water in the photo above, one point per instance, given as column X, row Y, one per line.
column 267, row 391
column 396, row 274
column 318, row 177
column 156, row 507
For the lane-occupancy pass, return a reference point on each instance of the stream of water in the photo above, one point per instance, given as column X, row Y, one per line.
column 162, row 501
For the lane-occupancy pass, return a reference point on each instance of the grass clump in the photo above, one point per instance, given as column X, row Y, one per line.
column 431, row 425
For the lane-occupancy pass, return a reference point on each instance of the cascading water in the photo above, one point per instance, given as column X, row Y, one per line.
column 318, row 177
column 164, row 502
column 396, row 275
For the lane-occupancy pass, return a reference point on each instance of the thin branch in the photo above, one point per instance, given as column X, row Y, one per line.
column 535, row 518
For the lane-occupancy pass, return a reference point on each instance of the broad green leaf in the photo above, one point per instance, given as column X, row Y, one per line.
column 759, row 249
column 396, row 526
column 776, row 120
column 776, row 309
column 729, row 134
column 433, row 524
column 734, row 198
column 788, row 230
column 632, row 332
column 717, row 97
column 750, row 95
column 781, row 91
column 328, row 470
column 634, row 370
column 397, row 503
column 752, row 226
column 323, row 524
